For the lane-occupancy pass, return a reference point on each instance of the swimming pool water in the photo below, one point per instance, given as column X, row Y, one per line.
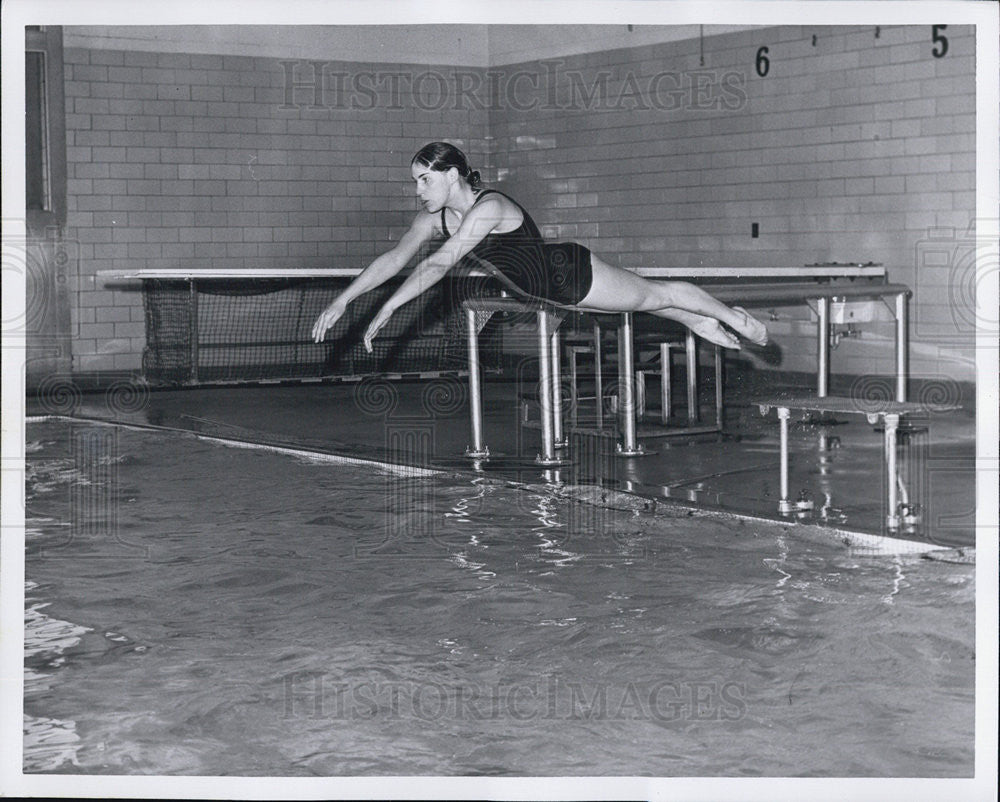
column 198, row 609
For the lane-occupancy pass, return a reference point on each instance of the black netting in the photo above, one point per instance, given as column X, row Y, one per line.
column 168, row 308
column 245, row 330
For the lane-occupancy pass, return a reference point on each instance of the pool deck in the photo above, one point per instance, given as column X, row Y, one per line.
column 836, row 460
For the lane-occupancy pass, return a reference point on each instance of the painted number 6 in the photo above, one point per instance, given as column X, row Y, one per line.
column 763, row 64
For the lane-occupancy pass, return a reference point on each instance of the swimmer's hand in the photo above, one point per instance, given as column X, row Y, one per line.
column 327, row 320
column 377, row 323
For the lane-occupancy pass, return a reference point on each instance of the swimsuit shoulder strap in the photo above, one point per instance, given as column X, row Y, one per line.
column 528, row 221
column 479, row 196
column 484, row 192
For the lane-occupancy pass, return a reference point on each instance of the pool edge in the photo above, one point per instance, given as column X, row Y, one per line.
column 869, row 542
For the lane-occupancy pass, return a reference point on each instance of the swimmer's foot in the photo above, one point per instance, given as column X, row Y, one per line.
column 711, row 329
column 752, row 329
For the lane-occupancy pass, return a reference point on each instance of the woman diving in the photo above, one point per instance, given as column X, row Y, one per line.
column 485, row 228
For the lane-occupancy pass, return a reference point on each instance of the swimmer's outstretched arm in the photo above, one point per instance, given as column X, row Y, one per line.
column 479, row 222
column 378, row 272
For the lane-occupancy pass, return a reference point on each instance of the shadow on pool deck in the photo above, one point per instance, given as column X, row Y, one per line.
column 837, row 462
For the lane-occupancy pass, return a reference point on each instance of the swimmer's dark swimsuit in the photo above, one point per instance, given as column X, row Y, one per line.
column 556, row 271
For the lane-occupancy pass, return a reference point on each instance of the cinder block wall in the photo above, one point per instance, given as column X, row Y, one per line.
column 854, row 148
column 180, row 160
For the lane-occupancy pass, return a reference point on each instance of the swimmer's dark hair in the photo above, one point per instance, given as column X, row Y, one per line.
column 441, row 156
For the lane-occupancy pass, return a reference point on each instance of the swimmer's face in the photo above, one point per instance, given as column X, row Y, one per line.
column 433, row 186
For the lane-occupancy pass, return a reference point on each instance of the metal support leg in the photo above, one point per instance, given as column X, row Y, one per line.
column 548, row 455
column 891, row 427
column 692, row 377
column 478, row 449
column 784, row 503
column 665, row 383
column 640, row 394
column 598, row 383
column 626, row 401
column 718, row 386
column 559, row 437
column 823, row 335
column 574, row 394
column 902, row 347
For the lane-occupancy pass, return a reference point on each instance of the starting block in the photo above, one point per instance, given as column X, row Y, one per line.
column 890, row 412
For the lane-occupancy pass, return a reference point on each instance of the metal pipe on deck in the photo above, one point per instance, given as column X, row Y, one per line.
column 560, row 439
column 598, row 382
column 902, row 346
column 665, row 383
column 891, row 427
column 719, row 356
column 691, row 345
column 478, row 449
column 823, row 336
column 784, row 503
column 548, row 455
column 629, row 446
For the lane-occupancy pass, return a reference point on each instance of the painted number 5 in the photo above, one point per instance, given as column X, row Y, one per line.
column 940, row 41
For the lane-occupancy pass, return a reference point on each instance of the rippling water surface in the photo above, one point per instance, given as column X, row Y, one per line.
column 193, row 608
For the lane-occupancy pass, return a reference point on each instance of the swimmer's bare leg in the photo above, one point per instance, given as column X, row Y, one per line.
column 705, row 327
column 618, row 290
